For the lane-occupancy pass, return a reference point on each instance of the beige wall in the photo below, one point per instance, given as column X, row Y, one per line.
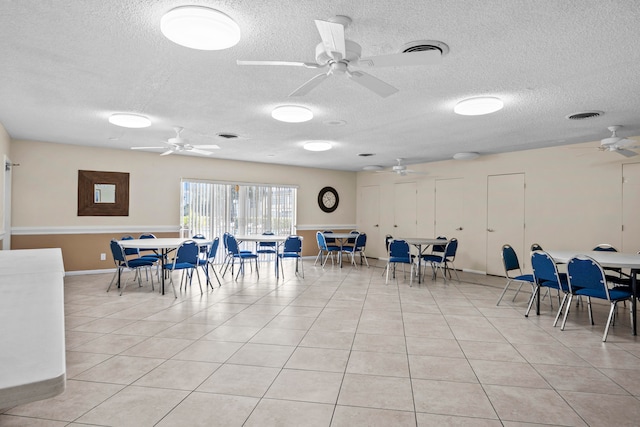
column 573, row 197
column 45, row 195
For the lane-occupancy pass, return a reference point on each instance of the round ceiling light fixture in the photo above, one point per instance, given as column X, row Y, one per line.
column 292, row 114
column 199, row 27
column 128, row 120
column 317, row 145
column 373, row 168
column 478, row 106
column 466, row 156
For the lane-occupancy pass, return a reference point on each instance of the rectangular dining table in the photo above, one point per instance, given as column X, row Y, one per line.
column 164, row 244
column 342, row 238
column 419, row 242
column 606, row 259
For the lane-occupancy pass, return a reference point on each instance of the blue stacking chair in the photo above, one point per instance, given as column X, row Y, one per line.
column 292, row 248
column 325, row 249
column 442, row 261
column 209, row 261
column 266, row 248
column 132, row 264
column 399, row 253
column 358, row 247
column 587, row 278
column 236, row 253
column 186, row 259
column 511, row 264
column 545, row 275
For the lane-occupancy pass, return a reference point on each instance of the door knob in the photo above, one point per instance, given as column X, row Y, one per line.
column 395, row 225
column 490, row 230
column 459, row 229
column 376, row 225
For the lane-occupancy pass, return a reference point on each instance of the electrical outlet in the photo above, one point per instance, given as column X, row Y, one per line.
column 103, row 257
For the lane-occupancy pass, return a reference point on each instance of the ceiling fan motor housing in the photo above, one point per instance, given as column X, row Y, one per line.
column 353, row 51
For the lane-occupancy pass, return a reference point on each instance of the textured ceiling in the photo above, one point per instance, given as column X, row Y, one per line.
column 68, row 64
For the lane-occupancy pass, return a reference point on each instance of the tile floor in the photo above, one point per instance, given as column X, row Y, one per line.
column 339, row 348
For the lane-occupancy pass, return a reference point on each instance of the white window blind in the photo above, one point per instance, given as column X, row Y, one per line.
column 213, row 208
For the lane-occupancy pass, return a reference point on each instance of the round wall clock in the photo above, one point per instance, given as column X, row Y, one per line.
column 328, row 199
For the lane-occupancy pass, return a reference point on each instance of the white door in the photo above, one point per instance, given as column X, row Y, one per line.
column 505, row 219
column 450, row 215
column 6, row 241
column 630, row 207
column 405, row 209
column 369, row 220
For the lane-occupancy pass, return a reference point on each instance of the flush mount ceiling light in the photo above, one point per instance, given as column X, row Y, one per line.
column 478, row 106
column 292, row 114
column 372, row 168
column 199, row 27
column 127, row 120
column 317, row 145
column 466, row 156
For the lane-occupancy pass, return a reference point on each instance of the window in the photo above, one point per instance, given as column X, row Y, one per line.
column 212, row 208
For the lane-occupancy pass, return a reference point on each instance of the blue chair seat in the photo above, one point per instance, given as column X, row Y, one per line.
column 179, row 266
column 139, row 262
column 524, row 278
column 614, row 294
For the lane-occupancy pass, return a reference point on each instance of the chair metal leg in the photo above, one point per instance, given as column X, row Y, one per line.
column 606, row 328
column 566, row 313
column 590, row 311
column 534, row 295
column 564, row 299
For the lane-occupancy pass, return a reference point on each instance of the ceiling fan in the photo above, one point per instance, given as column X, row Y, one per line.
column 618, row 144
column 340, row 55
column 401, row 169
column 180, row 145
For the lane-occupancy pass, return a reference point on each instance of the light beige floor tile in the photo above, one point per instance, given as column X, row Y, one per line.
column 550, row 355
column 349, row 416
column 110, row 344
column 15, row 421
column 78, row 398
column 120, row 369
column 380, row 343
column 434, row 347
column 78, row 362
column 144, row 328
column 629, row 379
column 278, row 336
column 134, row 406
column 325, row 339
column 452, row 398
column 606, row 356
column 283, row 413
column 274, row 356
column 441, row 368
column 74, row 339
column 104, row 325
column 209, row 351
column 306, row 386
column 428, row 420
column 604, row 410
column 318, row 359
column 508, row 373
column 158, row 347
column 581, row 379
column 478, row 350
column 184, row 330
column 532, row 405
column 206, row 409
column 178, row 374
column 240, row 380
column 299, row 311
column 383, row 364
column 376, row 392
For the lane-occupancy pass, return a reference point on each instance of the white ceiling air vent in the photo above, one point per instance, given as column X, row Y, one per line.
column 584, row 115
column 424, row 45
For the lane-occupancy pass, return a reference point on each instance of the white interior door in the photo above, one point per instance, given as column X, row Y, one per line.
column 505, row 219
column 405, row 205
column 449, row 216
column 630, row 207
column 369, row 220
column 6, row 241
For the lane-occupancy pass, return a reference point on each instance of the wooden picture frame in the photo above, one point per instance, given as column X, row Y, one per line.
column 89, row 204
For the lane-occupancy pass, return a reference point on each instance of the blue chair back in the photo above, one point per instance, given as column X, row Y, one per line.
column 329, row 239
column 451, row 248
column 267, row 244
column 232, row 245
column 510, row 259
column 213, row 250
column 187, row 253
column 439, row 248
column 586, row 273
column 322, row 241
column 130, row 251
column 361, row 242
column 399, row 251
column 544, row 268
column 117, row 252
column 293, row 244
column 605, row 247
column 352, row 240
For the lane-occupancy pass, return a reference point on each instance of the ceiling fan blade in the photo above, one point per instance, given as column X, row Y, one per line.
column 286, row 63
column 425, row 57
column 372, row 83
column 166, row 153
column 626, row 153
column 146, row 148
column 195, row 150
column 208, row 147
column 309, row 85
column 626, row 142
column 332, row 35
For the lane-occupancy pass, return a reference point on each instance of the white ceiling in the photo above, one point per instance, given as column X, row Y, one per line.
column 68, row 64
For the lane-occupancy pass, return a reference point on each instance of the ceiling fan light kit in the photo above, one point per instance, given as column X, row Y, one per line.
column 292, row 114
column 317, row 145
column 478, row 106
column 199, row 27
column 128, row 120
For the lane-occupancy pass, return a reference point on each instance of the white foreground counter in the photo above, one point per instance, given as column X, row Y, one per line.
column 32, row 347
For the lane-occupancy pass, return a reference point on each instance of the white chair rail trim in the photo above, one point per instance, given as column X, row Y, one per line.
column 93, row 229
column 306, row 227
